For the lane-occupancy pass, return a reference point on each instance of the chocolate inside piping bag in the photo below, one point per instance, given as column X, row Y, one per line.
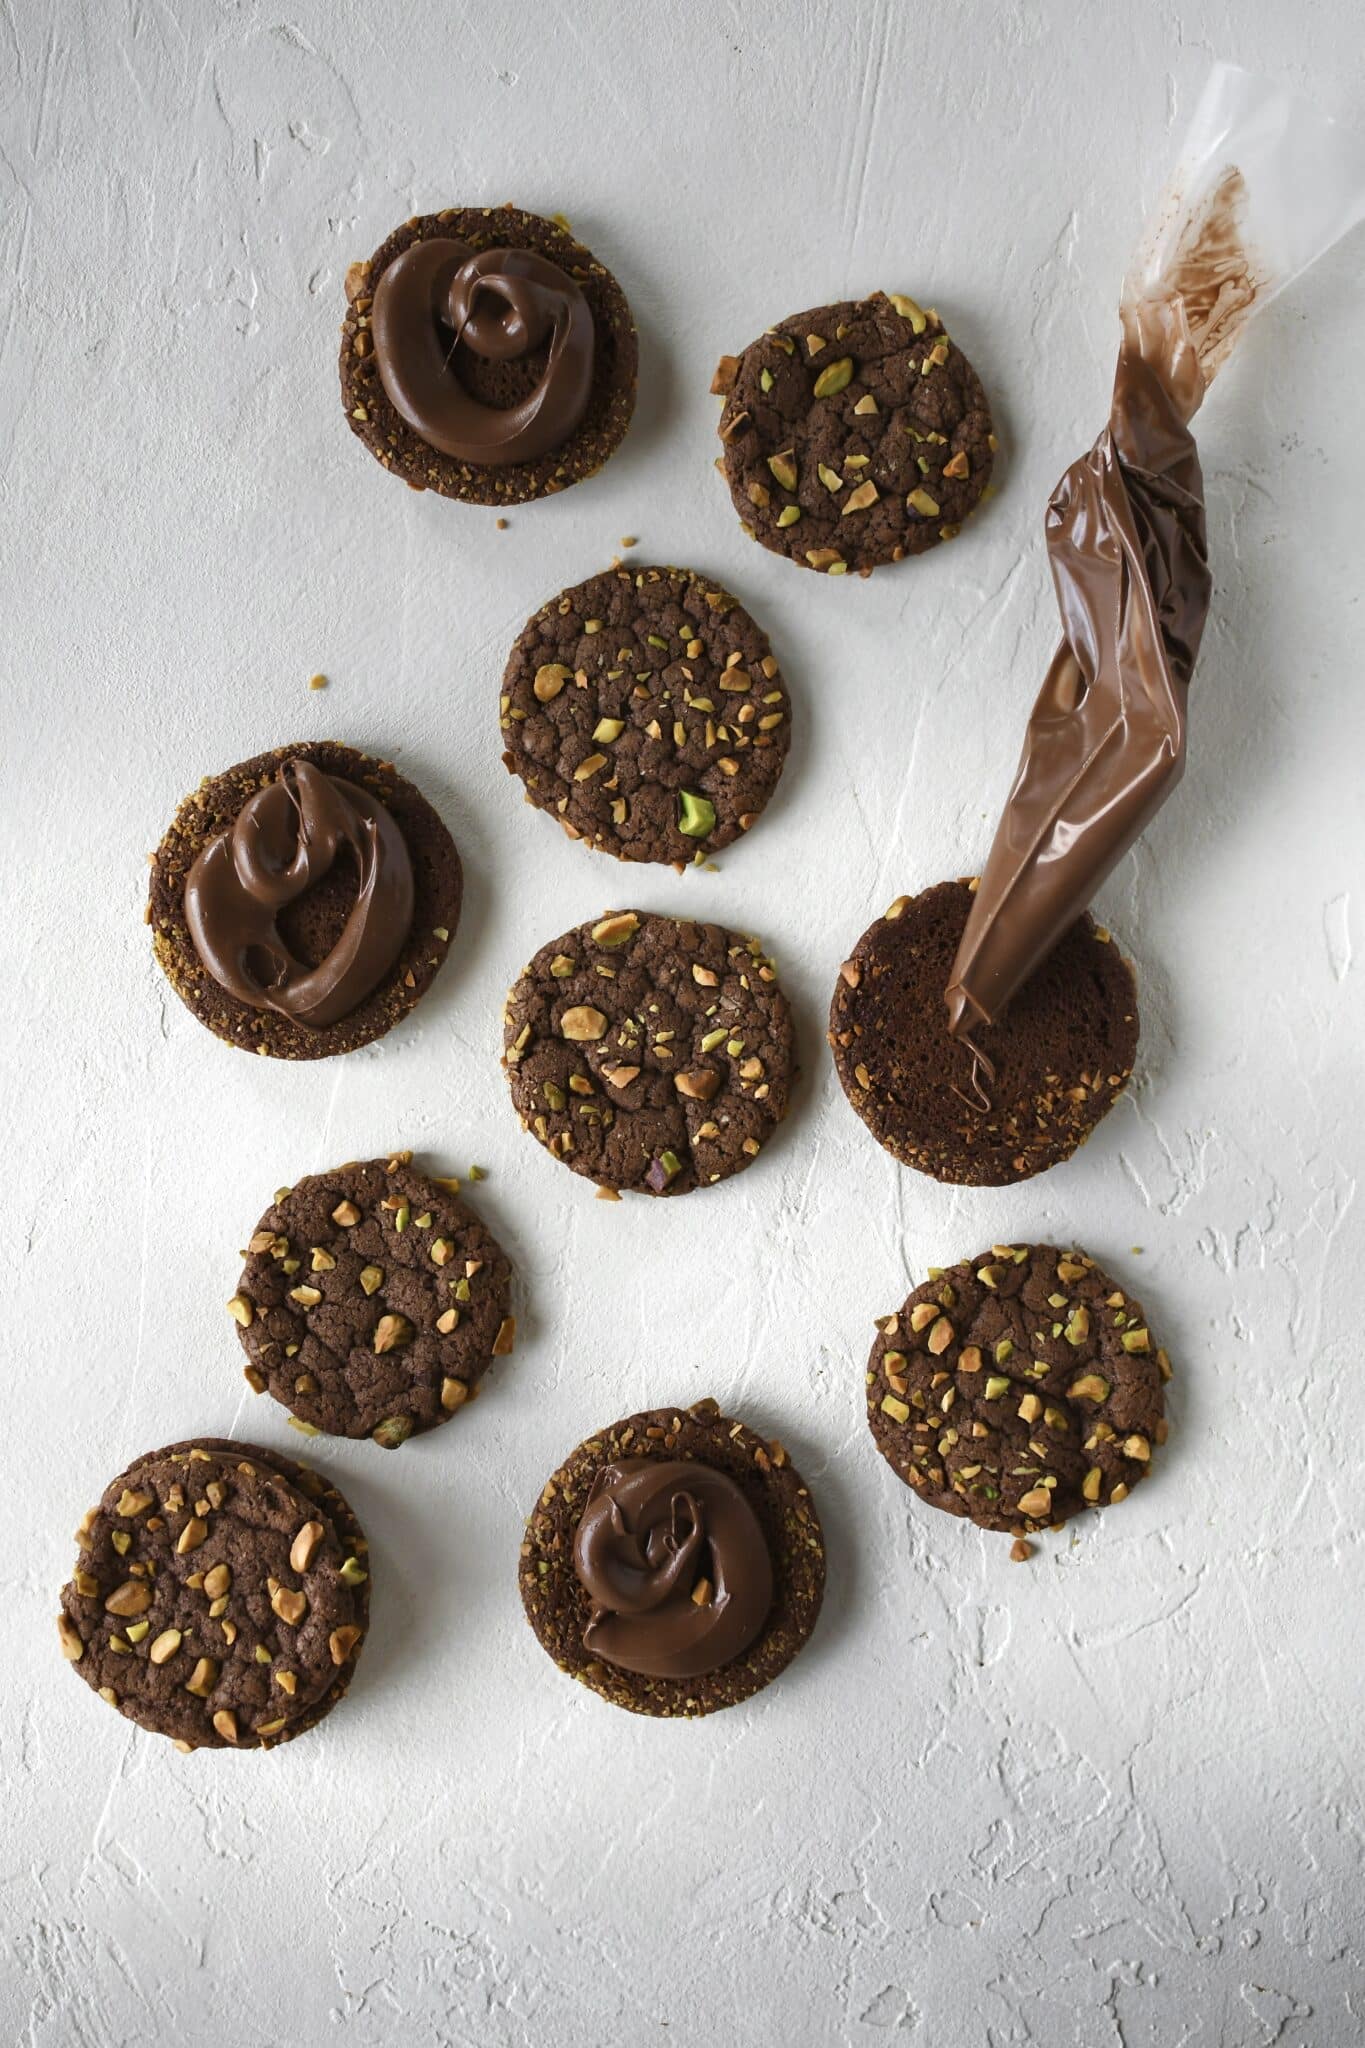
column 1105, row 743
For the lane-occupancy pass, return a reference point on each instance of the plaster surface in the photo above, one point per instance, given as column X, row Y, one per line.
column 1114, row 1797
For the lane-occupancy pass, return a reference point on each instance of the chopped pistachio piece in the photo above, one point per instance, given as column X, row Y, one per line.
column 698, row 814
column 582, row 1024
column 617, row 930
column 908, row 310
column 550, row 680
column 834, row 378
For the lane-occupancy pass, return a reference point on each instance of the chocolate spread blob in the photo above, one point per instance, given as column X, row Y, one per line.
column 676, row 1565
column 437, row 297
column 284, row 839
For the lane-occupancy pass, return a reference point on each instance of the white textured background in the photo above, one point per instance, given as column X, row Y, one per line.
column 1112, row 1798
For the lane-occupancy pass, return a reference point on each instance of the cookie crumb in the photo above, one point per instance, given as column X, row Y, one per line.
column 501, row 525
column 1020, row 1551
column 629, row 540
column 317, row 682
column 607, row 1195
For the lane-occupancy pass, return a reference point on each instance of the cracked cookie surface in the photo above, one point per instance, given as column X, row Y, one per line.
column 372, row 1301
column 650, row 1053
column 558, row 1608
column 220, row 1596
column 646, row 711
column 854, row 435
column 1018, row 1389
column 1063, row 1052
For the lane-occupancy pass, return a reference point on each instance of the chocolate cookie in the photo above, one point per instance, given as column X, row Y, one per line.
column 1017, row 1389
column 221, row 1596
column 854, row 435
column 372, row 1301
column 302, row 902
column 1062, row 1053
column 674, row 1563
column 648, row 1053
column 644, row 709
column 487, row 355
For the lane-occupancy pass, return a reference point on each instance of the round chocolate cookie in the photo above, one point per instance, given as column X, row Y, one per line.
column 372, row 1301
column 498, row 361
column 674, row 1563
column 1017, row 1389
column 649, row 1053
column 220, row 1596
column 644, row 709
column 1061, row 1054
column 352, row 899
column 854, row 435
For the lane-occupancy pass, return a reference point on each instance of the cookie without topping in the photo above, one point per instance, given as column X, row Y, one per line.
column 372, row 1301
column 1018, row 1389
column 392, row 441
column 220, row 1596
column 310, row 926
column 648, row 1053
column 854, row 435
column 557, row 1605
column 645, row 710
column 1062, row 1053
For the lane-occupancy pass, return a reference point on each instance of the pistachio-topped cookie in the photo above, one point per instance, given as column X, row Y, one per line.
column 854, row 435
column 1018, row 1389
column 1042, row 1076
column 674, row 1564
column 220, row 1596
column 372, row 1301
column 646, row 711
column 650, row 1053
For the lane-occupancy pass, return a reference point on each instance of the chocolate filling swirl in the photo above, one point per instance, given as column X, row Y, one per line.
column 676, row 1566
column 438, row 297
column 283, row 840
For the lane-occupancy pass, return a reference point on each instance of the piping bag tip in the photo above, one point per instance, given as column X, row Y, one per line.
column 964, row 1017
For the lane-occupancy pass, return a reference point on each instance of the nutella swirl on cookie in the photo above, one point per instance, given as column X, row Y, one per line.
column 286, row 838
column 437, row 297
column 675, row 1563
